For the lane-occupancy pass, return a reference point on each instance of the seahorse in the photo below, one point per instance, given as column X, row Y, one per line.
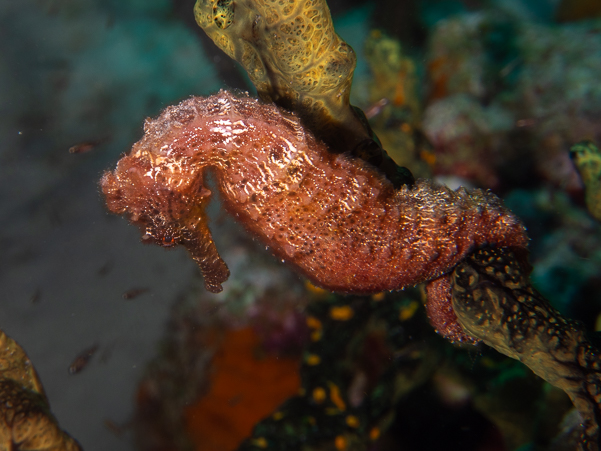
column 333, row 217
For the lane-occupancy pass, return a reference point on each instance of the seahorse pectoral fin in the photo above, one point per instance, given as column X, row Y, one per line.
column 202, row 248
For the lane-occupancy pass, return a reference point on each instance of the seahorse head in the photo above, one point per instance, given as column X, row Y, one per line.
column 167, row 201
column 161, row 209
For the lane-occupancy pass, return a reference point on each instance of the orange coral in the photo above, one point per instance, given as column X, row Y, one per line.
column 246, row 386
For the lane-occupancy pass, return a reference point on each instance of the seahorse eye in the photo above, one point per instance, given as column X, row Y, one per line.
column 167, row 241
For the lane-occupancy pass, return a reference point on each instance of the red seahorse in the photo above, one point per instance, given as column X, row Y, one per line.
column 333, row 217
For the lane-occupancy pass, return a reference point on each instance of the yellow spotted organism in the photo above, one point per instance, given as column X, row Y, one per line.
column 316, row 335
column 261, row 442
column 312, row 359
column 341, row 313
column 319, row 395
column 374, row 433
column 26, row 422
column 494, row 301
column 296, row 60
column 352, row 421
column 378, row 297
column 313, row 323
column 292, row 55
column 341, row 443
column 407, row 311
column 587, row 159
column 336, row 397
column 316, row 328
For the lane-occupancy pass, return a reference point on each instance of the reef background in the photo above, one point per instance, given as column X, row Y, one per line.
column 88, row 71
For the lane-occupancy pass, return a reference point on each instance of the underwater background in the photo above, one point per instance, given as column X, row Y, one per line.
column 487, row 94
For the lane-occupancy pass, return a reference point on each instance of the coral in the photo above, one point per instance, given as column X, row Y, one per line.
column 456, row 57
column 210, row 347
column 465, row 136
column 295, row 59
column 508, row 96
column 26, row 422
column 246, row 386
column 394, row 76
column 587, row 159
column 396, row 106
